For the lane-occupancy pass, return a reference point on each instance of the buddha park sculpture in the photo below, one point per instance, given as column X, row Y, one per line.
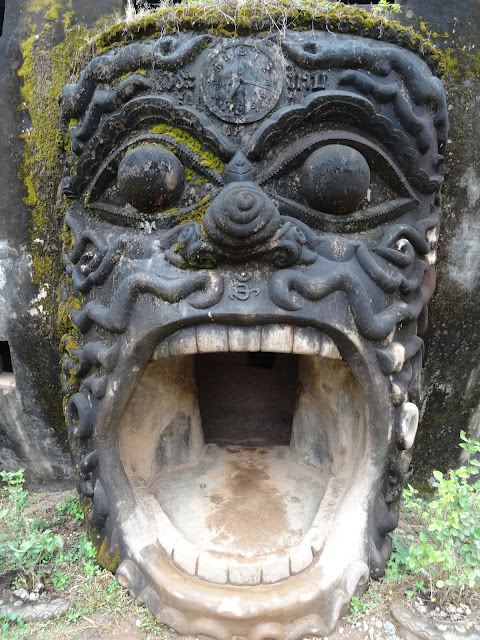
column 252, row 227
column 249, row 237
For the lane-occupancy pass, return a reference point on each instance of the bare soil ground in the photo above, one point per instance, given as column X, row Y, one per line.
column 101, row 609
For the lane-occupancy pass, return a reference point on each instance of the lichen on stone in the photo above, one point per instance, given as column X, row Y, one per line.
column 231, row 18
column 209, row 159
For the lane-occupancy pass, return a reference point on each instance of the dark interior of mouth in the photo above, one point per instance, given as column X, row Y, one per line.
column 247, row 398
column 238, row 448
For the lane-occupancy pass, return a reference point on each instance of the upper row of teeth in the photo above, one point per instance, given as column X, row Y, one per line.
column 273, row 338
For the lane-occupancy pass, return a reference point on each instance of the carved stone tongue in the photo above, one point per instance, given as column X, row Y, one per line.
column 240, row 506
column 245, row 500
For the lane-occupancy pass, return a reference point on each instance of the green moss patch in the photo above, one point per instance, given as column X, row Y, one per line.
column 46, row 68
column 231, row 18
column 209, row 160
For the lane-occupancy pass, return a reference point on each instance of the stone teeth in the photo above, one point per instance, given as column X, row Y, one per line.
column 329, row 350
column 212, row 339
column 275, row 568
column 244, row 339
column 407, row 425
column 273, row 338
column 245, row 571
column 398, row 353
column 241, row 571
column 212, row 568
column 184, row 341
column 185, row 556
column 301, row 557
column 277, row 338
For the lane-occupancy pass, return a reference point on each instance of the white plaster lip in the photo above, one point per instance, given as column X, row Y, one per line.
column 337, row 543
column 265, row 569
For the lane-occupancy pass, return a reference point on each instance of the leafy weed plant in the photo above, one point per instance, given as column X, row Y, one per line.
column 70, row 506
column 385, row 5
column 446, row 552
column 25, row 543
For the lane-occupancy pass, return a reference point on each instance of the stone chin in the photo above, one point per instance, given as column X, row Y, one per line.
column 255, row 279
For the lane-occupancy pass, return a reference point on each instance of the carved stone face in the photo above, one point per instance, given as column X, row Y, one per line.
column 254, row 226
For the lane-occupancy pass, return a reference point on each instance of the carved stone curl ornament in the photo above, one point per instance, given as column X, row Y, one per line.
column 255, row 257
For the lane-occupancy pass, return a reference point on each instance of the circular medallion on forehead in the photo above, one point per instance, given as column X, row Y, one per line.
column 242, row 83
column 151, row 177
column 335, row 179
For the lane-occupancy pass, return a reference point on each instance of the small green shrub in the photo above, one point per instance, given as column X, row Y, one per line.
column 25, row 543
column 7, row 619
column 357, row 606
column 70, row 506
column 385, row 5
column 447, row 551
column 396, row 566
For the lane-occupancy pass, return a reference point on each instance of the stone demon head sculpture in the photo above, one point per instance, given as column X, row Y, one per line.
column 251, row 230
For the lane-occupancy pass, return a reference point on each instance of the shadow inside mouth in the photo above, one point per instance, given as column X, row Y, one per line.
column 237, row 456
column 247, row 398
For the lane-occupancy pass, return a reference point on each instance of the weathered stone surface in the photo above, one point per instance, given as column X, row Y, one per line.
column 452, row 359
column 224, row 291
column 31, row 422
column 250, row 223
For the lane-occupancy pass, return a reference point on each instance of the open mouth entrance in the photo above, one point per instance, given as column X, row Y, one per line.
column 247, row 398
column 237, row 456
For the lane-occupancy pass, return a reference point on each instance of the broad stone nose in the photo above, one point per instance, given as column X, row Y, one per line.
column 241, row 218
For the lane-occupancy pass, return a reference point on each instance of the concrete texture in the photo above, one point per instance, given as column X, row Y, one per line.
column 148, row 302
column 451, row 377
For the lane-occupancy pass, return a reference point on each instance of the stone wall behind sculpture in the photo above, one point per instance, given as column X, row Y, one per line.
column 451, row 382
column 32, row 431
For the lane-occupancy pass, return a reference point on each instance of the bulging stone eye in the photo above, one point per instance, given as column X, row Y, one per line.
column 151, row 177
column 335, row 179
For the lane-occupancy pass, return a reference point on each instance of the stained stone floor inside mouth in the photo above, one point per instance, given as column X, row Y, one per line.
column 241, row 500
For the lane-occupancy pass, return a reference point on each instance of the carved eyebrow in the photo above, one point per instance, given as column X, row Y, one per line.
column 306, row 145
column 108, row 168
column 329, row 106
column 147, row 112
column 414, row 125
column 318, row 108
column 165, row 54
column 323, row 52
column 105, row 101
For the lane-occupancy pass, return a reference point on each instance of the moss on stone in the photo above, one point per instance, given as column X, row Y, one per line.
column 189, row 174
column 68, row 239
column 459, row 64
column 209, row 159
column 70, row 343
column 196, row 215
column 231, row 19
column 142, row 72
column 64, row 318
column 108, row 561
column 53, row 11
